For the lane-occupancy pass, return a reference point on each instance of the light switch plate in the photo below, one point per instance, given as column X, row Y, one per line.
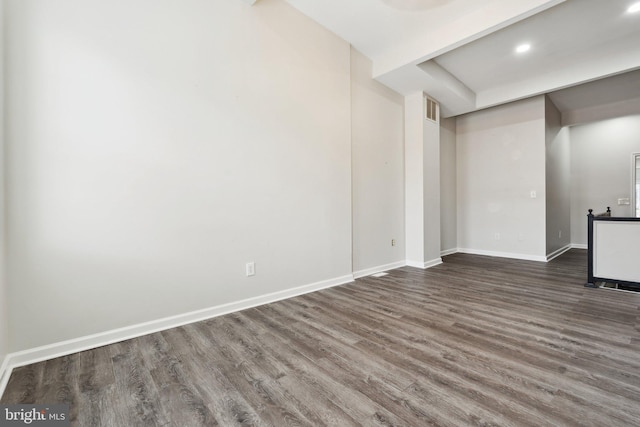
column 251, row 269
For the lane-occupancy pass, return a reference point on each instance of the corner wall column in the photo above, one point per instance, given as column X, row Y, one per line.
column 422, row 183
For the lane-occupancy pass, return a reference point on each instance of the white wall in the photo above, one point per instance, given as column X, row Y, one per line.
column 414, row 178
column 431, row 185
column 422, row 184
column 500, row 160
column 4, row 306
column 601, row 169
column 615, row 254
column 601, row 112
column 558, row 181
column 448, row 202
column 377, row 133
column 154, row 147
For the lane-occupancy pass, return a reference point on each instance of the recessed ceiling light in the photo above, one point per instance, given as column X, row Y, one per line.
column 523, row 48
column 634, row 8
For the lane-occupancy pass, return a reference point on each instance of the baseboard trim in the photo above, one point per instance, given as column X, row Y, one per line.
column 369, row 271
column 50, row 351
column 449, row 252
column 556, row 254
column 524, row 257
column 5, row 373
column 426, row 264
column 579, row 246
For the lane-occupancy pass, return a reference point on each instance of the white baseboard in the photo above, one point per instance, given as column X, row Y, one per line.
column 579, row 246
column 50, row 351
column 556, row 254
column 503, row 254
column 449, row 252
column 378, row 269
column 426, row 264
column 5, row 373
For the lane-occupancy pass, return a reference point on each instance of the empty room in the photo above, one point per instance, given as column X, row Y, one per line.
column 305, row 212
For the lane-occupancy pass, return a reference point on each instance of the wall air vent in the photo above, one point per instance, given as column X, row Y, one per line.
column 381, row 274
column 431, row 109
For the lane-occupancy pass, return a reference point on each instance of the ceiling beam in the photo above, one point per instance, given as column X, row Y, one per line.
column 497, row 14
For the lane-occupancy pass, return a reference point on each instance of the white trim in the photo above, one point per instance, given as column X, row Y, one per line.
column 449, row 252
column 426, row 264
column 5, row 373
column 556, row 254
column 617, row 290
column 373, row 270
column 579, row 246
column 634, row 179
column 503, row 254
column 50, row 351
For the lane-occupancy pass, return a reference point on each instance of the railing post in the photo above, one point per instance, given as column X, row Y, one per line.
column 590, row 282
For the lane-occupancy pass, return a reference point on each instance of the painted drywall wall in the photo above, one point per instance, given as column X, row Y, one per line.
column 601, row 165
column 154, row 147
column 616, row 250
column 422, row 184
column 431, row 186
column 597, row 113
column 414, row 178
column 500, row 161
column 4, row 307
column 448, row 202
column 377, row 134
column 558, row 181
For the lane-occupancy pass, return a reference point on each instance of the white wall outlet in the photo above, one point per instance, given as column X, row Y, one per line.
column 534, row 194
column 559, row 234
column 393, row 242
column 251, row 269
column 624, row 201
column 496, row 236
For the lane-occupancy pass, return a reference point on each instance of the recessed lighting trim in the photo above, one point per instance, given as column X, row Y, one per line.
column 523, row 48
column 634, row 8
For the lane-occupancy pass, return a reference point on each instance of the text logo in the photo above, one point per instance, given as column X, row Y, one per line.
column 35, row 415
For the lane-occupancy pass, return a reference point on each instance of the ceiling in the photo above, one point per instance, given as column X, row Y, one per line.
column 462, row 52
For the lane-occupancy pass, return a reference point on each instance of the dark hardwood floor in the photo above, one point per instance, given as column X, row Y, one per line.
column 475, row 341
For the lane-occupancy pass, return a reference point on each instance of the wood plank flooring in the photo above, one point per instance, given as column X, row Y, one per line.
column 475, row 341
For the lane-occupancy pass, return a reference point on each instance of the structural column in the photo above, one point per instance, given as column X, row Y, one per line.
column 422, row 181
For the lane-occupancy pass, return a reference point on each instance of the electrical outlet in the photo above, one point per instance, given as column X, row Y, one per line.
column 393, row 242
column 533, row 194
column 559, row 234
column 496, row 236
column 251, row 269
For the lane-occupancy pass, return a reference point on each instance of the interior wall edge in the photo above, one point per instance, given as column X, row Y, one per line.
column 449, row 252
column 5, row 373
column 525, row 257
column 424, row 265
column 557, row 253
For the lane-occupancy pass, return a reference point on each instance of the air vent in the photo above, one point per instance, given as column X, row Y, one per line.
column 431, row 109
column 381, row 274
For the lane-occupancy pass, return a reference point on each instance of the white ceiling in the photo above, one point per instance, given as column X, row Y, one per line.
column 461, row 52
